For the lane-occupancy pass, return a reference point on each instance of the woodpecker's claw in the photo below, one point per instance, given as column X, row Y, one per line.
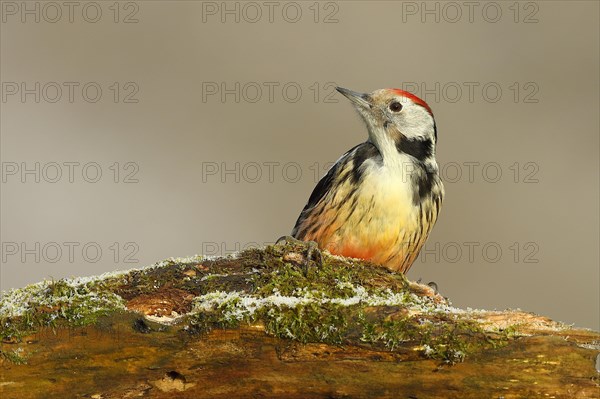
column 433, row 285
column 287, row 240
column 312, row 253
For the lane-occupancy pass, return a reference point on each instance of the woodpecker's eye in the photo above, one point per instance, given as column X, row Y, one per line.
column 395, row 106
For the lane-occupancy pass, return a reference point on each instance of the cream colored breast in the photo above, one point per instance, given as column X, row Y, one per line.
column 384, row 210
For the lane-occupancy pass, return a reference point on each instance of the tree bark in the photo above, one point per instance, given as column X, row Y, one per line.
column 279, row 322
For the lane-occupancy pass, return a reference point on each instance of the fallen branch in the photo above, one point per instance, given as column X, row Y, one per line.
column 272, row 323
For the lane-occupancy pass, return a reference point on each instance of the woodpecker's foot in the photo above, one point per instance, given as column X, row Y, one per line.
column 288, row 240
column 433, row 286
column 312, row 254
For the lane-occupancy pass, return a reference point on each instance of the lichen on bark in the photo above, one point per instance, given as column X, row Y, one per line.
column 347, row 308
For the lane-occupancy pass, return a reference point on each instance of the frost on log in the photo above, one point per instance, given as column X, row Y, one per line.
column 274, row 323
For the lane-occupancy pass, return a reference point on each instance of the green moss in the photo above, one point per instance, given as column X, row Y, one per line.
column 334, row 278
column 52, row 304
column 15, row 356
column 220, row 315
column 510, row 332
column 336, row 302
column 390, row 333
column 327, row 323
column 449, row 340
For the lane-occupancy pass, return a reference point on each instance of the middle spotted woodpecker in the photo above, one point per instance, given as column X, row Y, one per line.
column 381, row 199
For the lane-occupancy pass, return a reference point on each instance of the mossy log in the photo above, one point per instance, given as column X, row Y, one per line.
column 279, row 323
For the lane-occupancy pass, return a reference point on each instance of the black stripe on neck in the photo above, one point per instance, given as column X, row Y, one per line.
column 420, row 149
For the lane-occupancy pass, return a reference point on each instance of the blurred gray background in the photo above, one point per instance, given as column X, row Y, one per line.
column 144, row 130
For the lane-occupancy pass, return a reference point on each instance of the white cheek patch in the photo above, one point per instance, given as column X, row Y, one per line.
column 417, row 122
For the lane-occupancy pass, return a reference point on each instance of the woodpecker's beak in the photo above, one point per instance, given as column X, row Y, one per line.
column 361, row 100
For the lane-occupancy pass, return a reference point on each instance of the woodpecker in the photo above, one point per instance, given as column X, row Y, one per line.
column 380, row 200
